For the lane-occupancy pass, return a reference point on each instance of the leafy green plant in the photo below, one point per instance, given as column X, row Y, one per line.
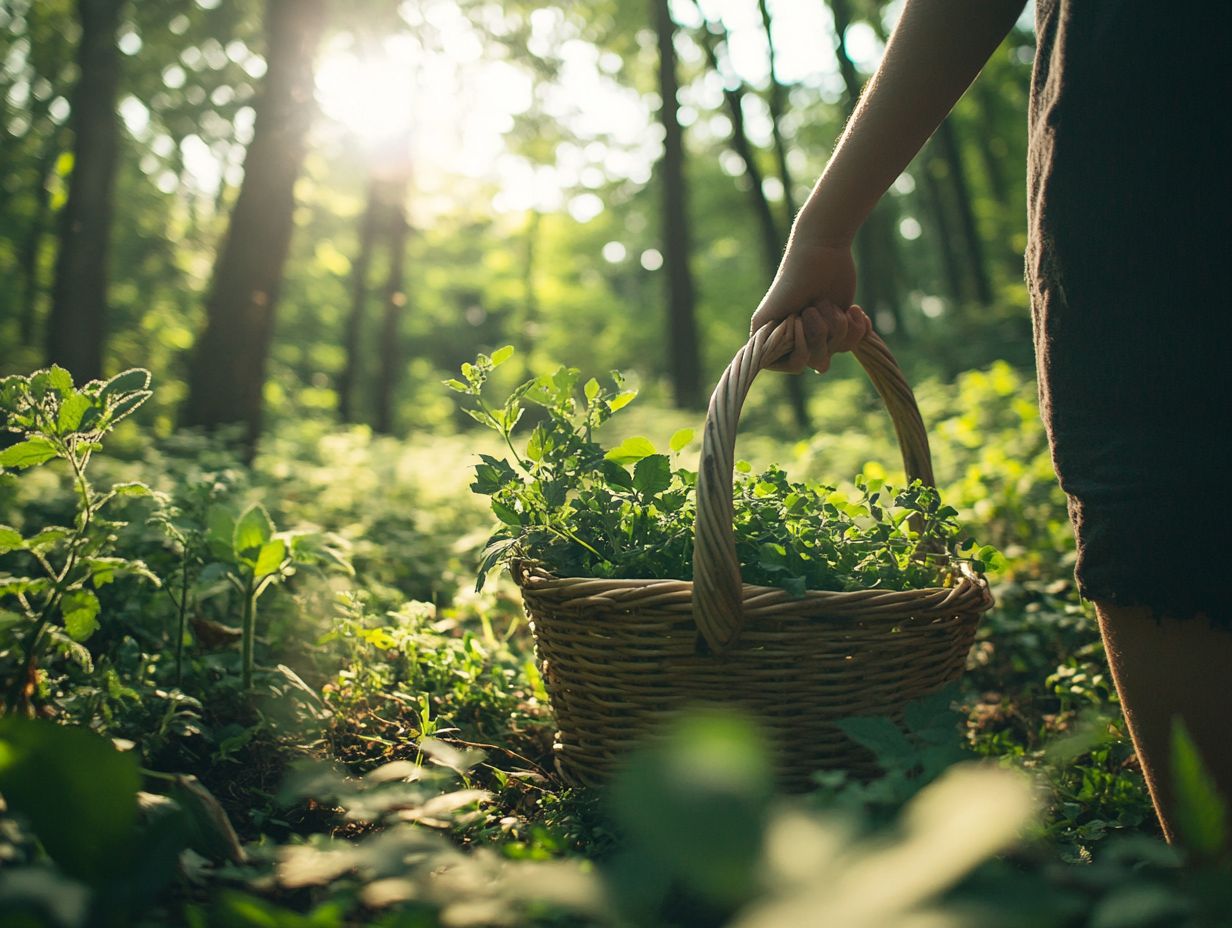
column 252, row 556
column 566, row 500
column 54, row 603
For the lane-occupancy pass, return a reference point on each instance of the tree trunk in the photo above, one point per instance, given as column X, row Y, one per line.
column 76, row 326
column 987, row 103
column 952, row 152
column 227, row 373
column 771, row 234
column 932, row 172
column 32, row 247
column 359, row 297
column 875, row 244
column 395, row 307
column 683, row 350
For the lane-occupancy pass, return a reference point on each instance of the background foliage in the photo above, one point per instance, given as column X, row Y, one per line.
column 249, row 682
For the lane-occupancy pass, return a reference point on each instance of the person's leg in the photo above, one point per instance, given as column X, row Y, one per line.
column 1166, row 669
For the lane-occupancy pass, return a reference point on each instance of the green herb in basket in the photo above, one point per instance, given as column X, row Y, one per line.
column 628, row 511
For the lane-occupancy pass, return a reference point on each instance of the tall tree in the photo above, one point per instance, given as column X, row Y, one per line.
column 76, row 326
column 875, row 244
column 683, row 351
column 353, row 332
column 394, row 299
column 951, row 150
column 772, row 234
column 227, row 372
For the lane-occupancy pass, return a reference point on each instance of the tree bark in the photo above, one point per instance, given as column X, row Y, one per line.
column 395, row 307
column 76, row 325
column 227, row 372
column 683, row 350
column 947, row 136
column 359, row 298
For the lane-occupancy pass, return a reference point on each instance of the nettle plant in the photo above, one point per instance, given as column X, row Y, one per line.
column 628, row 511
column 52, row 603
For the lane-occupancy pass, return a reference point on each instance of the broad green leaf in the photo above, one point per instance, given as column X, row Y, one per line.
column 591, row 390
column 456, row 385
column 72, row 408
column 131, row 488
column 501, row 355
column 133, row 380
column 10, row 540
column 270, row 558
column 104, row 570
column 27, row 453
column 60, row 380
column 1200, row 811
column 505, row 514
column 220, row 531
column 80, row 609
column 252, row 529
column 652, row 474
column 78, row 793
column 621, row 400
column 630, row 451
column 881, row 736
column 680, row 439
column 534, row 444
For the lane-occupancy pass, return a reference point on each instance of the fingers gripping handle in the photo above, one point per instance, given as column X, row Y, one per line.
column 718, row 591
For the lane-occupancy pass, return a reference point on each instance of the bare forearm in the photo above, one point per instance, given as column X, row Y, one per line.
column 935, row 52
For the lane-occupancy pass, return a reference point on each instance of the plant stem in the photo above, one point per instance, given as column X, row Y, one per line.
column 183, row 618
column 60, row 582
column 250, row 625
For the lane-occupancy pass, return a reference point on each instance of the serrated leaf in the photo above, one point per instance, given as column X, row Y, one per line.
column 252, row 530
column 127, row 406
column 132, row 488
column 60, row 380
column 505, row 514
column 270, row 558
column 680, row 439
column 652, row 474
column 80, row 611
column 10, row 540
column 134, row 379
column 72, row 408
column 28, row 453
column 630, row 451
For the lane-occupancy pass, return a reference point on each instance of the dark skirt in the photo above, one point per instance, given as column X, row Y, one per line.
column 1130, row 268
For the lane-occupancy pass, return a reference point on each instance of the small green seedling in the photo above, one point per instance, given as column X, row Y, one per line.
column 252, row 556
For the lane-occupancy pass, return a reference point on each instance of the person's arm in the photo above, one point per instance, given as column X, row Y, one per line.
column 936, row 50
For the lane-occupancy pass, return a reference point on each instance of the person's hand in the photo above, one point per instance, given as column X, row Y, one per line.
column 816, row 282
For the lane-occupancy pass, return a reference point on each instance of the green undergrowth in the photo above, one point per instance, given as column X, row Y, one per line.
column 270, row 696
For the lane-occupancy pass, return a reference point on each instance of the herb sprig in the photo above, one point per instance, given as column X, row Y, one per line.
column 629, row 511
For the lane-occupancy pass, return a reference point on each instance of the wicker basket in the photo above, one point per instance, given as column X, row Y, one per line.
column 617, row 655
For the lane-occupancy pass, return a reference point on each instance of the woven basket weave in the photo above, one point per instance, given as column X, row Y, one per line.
column 617, row 655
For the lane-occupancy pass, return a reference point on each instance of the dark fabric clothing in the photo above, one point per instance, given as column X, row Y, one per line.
column 1130, row 268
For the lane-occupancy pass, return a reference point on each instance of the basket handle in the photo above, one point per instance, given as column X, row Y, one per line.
column 717, row 587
